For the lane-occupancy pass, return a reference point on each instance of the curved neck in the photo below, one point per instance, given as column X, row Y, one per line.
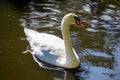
column 66, row 38
column 71, row 56
column 65, row 33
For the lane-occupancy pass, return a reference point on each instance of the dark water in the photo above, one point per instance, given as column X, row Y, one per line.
column 98, row 45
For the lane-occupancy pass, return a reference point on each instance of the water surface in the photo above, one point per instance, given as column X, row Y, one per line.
column 98, row 45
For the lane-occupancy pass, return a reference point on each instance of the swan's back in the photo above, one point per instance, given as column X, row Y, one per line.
column 48, row 48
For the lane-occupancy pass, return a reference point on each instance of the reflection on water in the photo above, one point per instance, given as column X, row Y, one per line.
column 98, row 45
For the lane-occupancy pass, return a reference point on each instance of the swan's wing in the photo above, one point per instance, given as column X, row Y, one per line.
column 46, row 47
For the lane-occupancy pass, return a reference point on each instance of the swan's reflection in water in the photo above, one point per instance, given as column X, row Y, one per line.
column 63, row 74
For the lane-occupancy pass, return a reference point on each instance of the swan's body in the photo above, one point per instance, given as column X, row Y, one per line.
column 52, row 49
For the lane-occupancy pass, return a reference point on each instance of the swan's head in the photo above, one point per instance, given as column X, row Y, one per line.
column 71, row 18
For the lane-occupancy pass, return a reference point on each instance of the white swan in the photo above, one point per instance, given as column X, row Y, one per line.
column 52, row 49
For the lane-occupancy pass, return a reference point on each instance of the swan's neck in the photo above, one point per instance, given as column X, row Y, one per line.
column 71, row 57
column 66, row 38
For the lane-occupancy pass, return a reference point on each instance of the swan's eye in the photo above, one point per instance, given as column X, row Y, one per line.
column 78, row 22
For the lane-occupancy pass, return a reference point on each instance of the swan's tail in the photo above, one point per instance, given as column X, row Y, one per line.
column 30, row 32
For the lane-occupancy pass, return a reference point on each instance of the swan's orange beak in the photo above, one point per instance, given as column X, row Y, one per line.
column 78, row 22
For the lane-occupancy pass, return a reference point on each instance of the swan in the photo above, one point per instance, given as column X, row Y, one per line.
column 52, row 49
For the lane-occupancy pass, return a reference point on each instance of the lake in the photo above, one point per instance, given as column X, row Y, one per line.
column 97, row 45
